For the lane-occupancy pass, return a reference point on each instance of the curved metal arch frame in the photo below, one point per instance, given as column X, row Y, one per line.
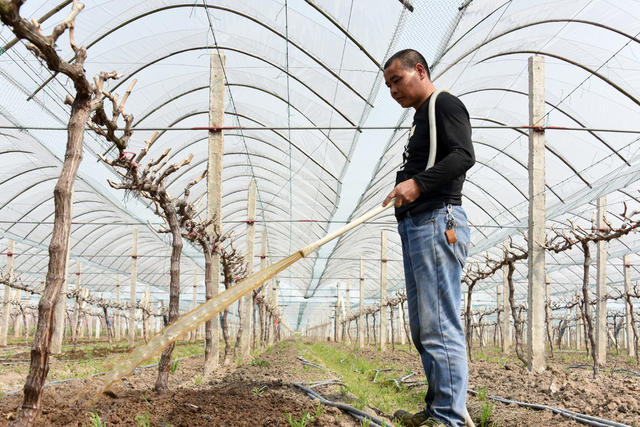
column 268, row 204
column 240, row 51
column 260, row 167
column 235, row 12
column 27, row 188
column 195, row 141
column 76, row 202
column 259, row 123
column 228, row 166
column 492, row 197
column 345, row 32
column 272, row 229
column 551, row 150
column 24, row 172
column 106, row 217
column 200, row 162
column 509, row 31
column 48, row 198
column 569, row 61
column 556, row 107
column 275, row 95
column 194, row 165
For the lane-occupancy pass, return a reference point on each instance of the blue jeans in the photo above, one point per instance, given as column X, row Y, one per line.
column 433, row 273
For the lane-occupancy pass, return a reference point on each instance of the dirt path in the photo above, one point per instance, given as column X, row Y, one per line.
column 262, row 392
column 257, row 393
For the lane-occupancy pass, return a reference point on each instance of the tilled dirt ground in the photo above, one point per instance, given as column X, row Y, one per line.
column 263, row 393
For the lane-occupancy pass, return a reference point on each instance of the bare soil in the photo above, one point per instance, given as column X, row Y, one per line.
column 262, row 392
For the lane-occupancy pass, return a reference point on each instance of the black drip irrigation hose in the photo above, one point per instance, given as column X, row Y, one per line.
column 617, row 370
column 355, row 412
column 576, row 416
column 51, row 383
column 306, row 362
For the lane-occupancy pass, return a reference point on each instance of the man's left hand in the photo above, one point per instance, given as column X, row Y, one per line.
column 404, row 193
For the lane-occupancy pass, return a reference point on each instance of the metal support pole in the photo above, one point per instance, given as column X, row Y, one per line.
column 537, row 203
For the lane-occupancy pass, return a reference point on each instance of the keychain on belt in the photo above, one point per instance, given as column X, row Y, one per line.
column 450, row 232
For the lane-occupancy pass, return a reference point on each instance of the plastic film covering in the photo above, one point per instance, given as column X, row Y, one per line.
column 288, row 64
column 590, row 48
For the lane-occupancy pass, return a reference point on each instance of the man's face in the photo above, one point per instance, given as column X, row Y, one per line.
column 406, row 85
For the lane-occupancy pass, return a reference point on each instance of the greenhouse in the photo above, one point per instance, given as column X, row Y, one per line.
column 193, row 229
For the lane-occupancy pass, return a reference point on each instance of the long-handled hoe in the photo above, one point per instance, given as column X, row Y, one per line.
column 191, row 320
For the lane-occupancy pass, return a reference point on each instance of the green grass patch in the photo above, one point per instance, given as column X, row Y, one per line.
column 259, row 362
column 88, row 365
column 358, row 373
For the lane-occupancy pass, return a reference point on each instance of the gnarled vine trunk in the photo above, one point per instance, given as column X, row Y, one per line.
column 161, row 385
column 39, row 366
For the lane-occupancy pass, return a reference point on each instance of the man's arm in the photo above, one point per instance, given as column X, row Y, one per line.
column 454, row 121
column 455, row 124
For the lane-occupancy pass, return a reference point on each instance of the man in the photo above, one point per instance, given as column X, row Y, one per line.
column 435, row 235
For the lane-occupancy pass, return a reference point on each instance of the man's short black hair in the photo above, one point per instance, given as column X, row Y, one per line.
column 408, row 58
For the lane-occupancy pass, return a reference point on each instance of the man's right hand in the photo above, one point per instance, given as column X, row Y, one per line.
column 404, row 193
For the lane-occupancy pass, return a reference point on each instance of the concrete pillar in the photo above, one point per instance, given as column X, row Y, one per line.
column 117, row 321
column 132, row 289
column 247, row 300
column 194, row 304
column 361, row 316
column 631, row 349
column 214, row 192
column 537, row 206
column 499, row 306
column 6, row 304
column 547, row 308
column 17, row 329
column 580, row 330
column 383, row 290
column 76, row 326
column 338, row 315
column 601, row 288
column 348, row 307
column 145, row 316
column 159, row 323
column 97, row 327
column 403, row 324
column 507, row 333
column 261, row 324
column 89, row 318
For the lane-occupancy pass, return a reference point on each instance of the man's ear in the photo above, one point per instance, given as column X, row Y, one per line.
column 422, row 72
